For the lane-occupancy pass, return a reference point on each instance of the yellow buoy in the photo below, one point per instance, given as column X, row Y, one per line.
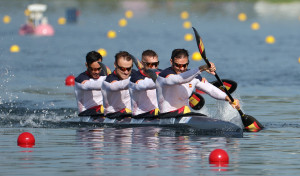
column 111, row 34
column 129, row 14
column 270, row 39
column 187, row 25
column 14, row 48
column 184, row 15
column 102, row 52
column 26, row 12
column 122, row 22
column 196, row 56
column 242, row 17
column 61, row 21
column 255, row 26
column 6, row 19
column 299, row 59
column 188, row 37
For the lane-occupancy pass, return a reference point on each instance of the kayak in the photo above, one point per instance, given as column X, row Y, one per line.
column 185, row 125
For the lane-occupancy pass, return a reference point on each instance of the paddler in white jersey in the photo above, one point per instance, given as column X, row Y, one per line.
column 115, row 91
column 143, row 90
column 88, row 87
column 175, row 84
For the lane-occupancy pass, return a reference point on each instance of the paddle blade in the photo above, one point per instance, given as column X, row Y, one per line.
column 136, row 62
column 200, row 44
column 230, row 85
column 251, row 124
column 196, row 101
column 103, row 69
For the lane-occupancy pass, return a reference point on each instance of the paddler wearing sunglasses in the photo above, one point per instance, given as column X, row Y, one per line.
column 116, row 97
column 142, row 88
column 88, row 86
column 175, row 85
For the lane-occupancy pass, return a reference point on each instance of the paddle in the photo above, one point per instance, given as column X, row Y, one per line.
column 229, row 84
column 103, row 69
column 249, row 122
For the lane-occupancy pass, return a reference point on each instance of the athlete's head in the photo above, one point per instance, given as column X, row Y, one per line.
column 123, row 64
column 93, row 68
column 150, row 60
column 179, row 60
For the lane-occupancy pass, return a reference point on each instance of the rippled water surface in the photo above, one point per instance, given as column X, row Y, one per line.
column 33, row 96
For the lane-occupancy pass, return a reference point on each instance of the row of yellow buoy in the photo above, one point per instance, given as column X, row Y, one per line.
column 111, row 34
column 188, row 36
column 256, row 26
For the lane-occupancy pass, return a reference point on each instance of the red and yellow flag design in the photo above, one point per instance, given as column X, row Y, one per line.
column 201, row 46
column 194, row 100
column 227, row 85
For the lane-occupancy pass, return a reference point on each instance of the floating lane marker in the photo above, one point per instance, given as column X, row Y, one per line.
column 255, row 26
column 61, row 21
column 270, row 39
column 122, row 22
column 187, row 24
column 111, row 34
column 188, row 37
column 6, row 19
column 102, row 52
column 14, row 49
column 184, row 15
column 196, row 56
column 26, row 140
column 242, row 17
column 128, row 14
column 70, row 80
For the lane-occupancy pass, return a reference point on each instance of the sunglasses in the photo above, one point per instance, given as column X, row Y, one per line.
column 155, row 64
column 123, row 69
column 94, row 69
column 181, row 65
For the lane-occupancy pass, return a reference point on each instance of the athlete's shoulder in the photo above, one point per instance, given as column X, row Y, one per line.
column 112, row 77
column 82, row 77
column 136, row 75
column 166, row 72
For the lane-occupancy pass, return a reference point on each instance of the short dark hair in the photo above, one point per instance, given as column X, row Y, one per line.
column 93, row 56
column 150, row 53
column 124, row 54
column 178, row 53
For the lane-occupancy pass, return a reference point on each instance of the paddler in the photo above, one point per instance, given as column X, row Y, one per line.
column 175, row 84
column 88, row 87
column 116, row 97
column 142, row 88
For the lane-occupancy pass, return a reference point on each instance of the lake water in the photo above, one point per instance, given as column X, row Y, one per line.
column 33, row 96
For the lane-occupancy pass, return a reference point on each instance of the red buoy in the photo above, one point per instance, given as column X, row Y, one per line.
column 26, row 140
column 218, row 156
column 70, row 80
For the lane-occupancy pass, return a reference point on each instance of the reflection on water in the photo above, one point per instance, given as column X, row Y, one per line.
column 144, row 147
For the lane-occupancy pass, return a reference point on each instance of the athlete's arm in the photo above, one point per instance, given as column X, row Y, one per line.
column 181, row 78
column 143, row 84
column 116, row 85
column 91, row 84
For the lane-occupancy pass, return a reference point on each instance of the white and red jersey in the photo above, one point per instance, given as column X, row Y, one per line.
column 174, row 90
column 116, row 95
column 88, row 95
column 143, row 93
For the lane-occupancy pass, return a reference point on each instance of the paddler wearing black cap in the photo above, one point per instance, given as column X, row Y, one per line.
column 88, row 86
column 175, row 84
column 143, row 89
